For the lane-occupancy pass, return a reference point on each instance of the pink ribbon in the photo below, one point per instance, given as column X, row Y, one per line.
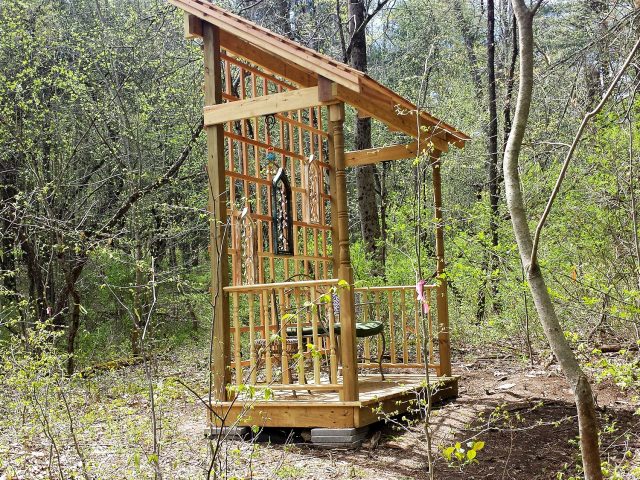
column 421, row 297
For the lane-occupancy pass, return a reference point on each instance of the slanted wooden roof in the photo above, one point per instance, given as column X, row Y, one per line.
column 306, row 67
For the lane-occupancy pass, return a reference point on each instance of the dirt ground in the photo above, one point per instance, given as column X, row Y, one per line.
column 524, row 416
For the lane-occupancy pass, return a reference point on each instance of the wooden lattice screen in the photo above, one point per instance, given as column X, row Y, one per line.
column 297, row 141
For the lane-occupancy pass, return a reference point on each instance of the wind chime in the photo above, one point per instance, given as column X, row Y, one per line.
column 281, row 211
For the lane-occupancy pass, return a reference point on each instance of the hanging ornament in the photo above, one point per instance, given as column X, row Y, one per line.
column 270, row 158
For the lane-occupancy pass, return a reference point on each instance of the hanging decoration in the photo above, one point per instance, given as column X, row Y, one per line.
column 270, row 158
column 249, row 247
column 313, row 190
column 281, row 210
column 282, row 213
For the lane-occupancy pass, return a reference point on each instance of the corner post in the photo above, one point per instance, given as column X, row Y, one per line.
column 345, row 272
column 220, row 361
column 441, row 291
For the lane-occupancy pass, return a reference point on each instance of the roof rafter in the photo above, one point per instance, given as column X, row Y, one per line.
column 305, row 68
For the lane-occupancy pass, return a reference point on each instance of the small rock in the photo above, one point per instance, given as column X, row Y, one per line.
column 506, row 386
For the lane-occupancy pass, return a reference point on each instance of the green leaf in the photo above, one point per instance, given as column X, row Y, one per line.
column 471, row 454
column 447, row 452
column 477, row 446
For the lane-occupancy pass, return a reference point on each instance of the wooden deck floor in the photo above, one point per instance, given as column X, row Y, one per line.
column 378, row 398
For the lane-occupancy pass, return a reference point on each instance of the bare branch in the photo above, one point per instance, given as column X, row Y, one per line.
column 574, row 144
column 168, row 175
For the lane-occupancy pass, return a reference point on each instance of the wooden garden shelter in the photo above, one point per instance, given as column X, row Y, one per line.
column 286, row 312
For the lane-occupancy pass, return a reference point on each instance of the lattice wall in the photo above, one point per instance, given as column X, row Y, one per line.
column 298, row 142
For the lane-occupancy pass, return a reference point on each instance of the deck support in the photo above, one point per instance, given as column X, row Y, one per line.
column 221, row 358
column 441, row 292
column 339, row 437
column 345, row 271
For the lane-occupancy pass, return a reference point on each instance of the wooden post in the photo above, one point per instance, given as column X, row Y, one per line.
column 441, row 291
column 345, row 272
column 220, row 362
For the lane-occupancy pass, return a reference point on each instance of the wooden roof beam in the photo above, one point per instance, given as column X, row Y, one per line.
column 264, row 105
column 254, row 55
column 279, row 46
column 370, row 156
column 386, row 112
column 266, row 60
column 192, row 26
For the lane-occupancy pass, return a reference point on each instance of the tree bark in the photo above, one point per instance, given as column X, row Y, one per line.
column 365, row 176
column 587, row 420
column 492, row 166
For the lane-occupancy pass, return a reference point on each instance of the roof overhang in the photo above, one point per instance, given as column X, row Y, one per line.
column 305, row 67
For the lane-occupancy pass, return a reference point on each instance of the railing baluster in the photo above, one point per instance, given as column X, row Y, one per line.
column 403, row 308
column 365, row 318
column 378, row 301
column 236, row 338
column 316, row 343
column 252, row 342
column 430, row 324
column 284, row 359
column 266, row 325
column 392, row 326
column 418, row 328
column 333, row 360
column 301, row 378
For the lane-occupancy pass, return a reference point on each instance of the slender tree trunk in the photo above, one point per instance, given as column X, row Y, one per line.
column 74, row 326
column 587, row 420
column 492, row 166
column 8, row 240
column 365, row 176
column 490, row 259
column 138, row 307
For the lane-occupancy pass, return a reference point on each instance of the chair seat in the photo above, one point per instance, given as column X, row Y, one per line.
column 363, row 329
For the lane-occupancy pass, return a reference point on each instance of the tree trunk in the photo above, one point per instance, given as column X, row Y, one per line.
column 138, row 306
column 492, row 166
column 74, row 326
column 493, row 179
column 365, row 176
column 587, row 420
column 7, row 236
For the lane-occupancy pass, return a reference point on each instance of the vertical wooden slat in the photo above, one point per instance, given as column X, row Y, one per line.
column 237, row 338
column 266, row 324
column 418, row 328
column 333, row 360
column 286, row 377
column 301, row 378
column 378, row 302
column 365, row 318
column 316, row 341
column 392, row 325
column 252, row 341
column 405, row 338
column 430, row 326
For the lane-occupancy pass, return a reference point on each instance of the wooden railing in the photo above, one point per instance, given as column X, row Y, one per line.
column 408, row 333
column 282, row 335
